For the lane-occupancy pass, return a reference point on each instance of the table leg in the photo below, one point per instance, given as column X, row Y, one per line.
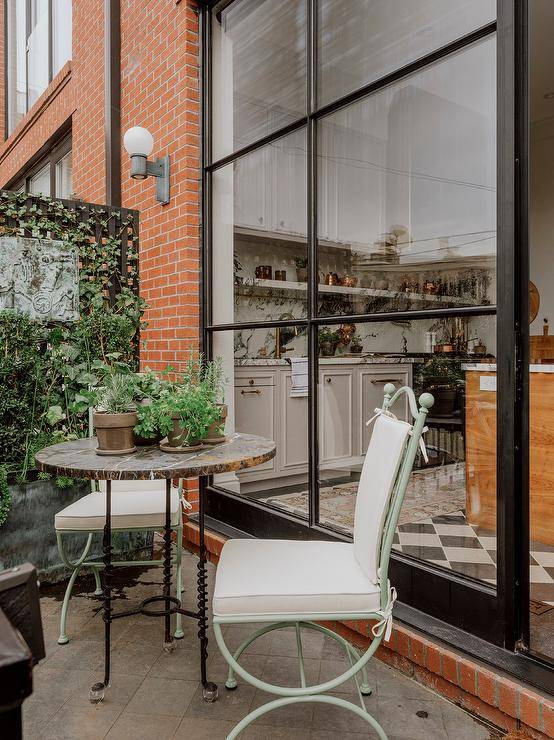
column 98, row 690
column 168, row 638
column 209, row 689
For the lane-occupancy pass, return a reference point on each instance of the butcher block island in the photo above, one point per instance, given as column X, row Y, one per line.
column 481, row 448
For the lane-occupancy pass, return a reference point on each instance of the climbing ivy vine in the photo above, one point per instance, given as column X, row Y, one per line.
column 65, row 362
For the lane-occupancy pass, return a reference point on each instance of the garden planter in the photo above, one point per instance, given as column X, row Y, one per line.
column 178, row 437
column 114, row 432
column 28, row 533
column 445, row 401
column 327, row 349
column 216, row 432
column 302, row 274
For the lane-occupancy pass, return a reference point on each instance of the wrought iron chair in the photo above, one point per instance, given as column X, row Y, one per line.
column 298, row 583
column 137, row 506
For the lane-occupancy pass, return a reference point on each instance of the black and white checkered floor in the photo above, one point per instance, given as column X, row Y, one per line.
column 449, row 541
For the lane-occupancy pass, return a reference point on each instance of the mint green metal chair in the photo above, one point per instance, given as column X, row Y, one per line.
column 298, row 583
column 137, row 506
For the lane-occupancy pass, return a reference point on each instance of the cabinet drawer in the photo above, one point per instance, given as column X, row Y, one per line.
column 253, row 381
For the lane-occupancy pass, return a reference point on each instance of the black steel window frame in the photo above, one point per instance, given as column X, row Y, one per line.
column 443, row 603
column 27, row 34
column 49, row 158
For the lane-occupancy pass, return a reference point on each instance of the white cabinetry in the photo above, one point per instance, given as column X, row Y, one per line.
column 348, row 393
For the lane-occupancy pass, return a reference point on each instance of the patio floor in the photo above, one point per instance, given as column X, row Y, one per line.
column 158, row 695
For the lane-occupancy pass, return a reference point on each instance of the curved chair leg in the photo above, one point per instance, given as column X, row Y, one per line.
column 179, row 634
column 318, row 699
column 76, row 567
column 351, row 652
column 231, row 682
column 98, row 584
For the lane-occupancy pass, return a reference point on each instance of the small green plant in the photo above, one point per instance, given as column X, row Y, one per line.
column 301, row 262
column 356, row 341
column 117, row 394
column 325, row 334
column 214, row 379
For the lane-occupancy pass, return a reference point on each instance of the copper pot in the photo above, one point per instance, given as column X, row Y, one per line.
column 349, row 281
column 280, row 274
column 331, row 278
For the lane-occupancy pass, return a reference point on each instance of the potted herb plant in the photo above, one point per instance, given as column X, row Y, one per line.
column 356, row 345
column 148, row 386
column 327, row 341
column 115, row 415
column 212, row 377
column 301, row 269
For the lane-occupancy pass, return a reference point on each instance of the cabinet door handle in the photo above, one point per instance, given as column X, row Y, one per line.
column 328, row 380
column 386, row 380
column 257, row 391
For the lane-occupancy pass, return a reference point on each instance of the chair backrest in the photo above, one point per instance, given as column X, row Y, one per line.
column 385, row 473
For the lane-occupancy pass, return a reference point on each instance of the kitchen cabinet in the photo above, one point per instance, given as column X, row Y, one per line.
column 336, row 414
column 348, row 393
column 371, row 385
column 255, row 411
column 252, row 190
column 288, row 167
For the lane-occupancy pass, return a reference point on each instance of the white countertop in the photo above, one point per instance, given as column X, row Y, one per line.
column 353, row 360
column 485, row 367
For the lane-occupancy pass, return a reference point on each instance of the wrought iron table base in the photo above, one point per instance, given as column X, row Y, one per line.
column 171, row 605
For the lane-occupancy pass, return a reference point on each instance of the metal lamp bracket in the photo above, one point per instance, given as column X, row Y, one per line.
column 160, row 170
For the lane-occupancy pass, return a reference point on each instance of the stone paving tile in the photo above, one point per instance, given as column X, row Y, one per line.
column 338, row 719
column 416, row 719
column 71, row 722
column 203, row 729
column 133, row 726
column 163, row 696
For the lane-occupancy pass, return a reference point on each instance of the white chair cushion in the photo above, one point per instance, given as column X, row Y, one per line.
column 265, row 577
column 379, row 473
column 142, row 509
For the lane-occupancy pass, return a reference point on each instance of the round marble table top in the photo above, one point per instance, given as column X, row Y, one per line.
column 78, row 459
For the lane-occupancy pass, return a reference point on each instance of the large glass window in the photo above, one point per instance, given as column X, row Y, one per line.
column 331, row 224
column 362, row 41
column 38, row 45
column 259, row 70
column 51, row 176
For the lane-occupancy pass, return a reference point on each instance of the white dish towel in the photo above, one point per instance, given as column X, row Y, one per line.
column 299, row 385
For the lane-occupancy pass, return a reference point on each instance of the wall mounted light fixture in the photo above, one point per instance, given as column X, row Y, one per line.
column 139, row 143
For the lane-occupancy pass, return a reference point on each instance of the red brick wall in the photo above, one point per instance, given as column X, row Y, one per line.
column 159, row 69
column 88, row 120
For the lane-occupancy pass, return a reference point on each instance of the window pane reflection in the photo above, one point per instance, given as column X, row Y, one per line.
column 259, row 70
column 40, row 183
column 449, row 513
column 259, row 234
column 407, row 192
column 37, row 49
column 64, row 177
column 266, row 394
column 358, row 46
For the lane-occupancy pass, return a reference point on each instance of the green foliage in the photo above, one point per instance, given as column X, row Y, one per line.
column 327, row 335
column 52, row 373
column 117, row 394
column 191, row 398
column 5, row 498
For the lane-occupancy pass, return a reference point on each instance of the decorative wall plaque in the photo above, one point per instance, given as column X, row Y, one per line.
column 39, row 277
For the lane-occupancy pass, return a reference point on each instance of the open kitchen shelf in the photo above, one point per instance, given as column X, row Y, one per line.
column 255, row 286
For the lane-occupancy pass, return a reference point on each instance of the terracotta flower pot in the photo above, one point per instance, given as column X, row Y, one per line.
column 217, row 429
column 302, row 274
column 114, row 432
column 179, row 436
